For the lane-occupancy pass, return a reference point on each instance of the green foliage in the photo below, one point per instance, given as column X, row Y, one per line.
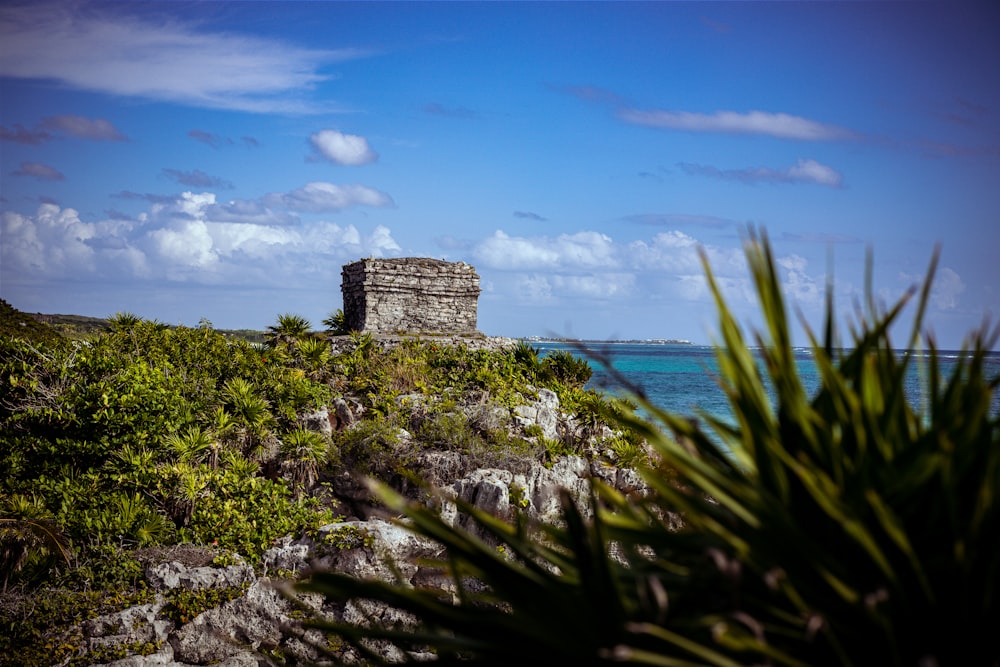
column 347, row 537
column 289, row 329
column 17, row 325
column 839, row 528
column 303, row 453
column 184, row 604
column 122, row 440
column 336, row 324
column 246, row 514
column 29, row 538
column 44, row 629
column 372, row 445
column 567, row 368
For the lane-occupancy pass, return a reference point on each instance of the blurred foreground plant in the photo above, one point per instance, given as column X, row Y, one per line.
column 839, row 528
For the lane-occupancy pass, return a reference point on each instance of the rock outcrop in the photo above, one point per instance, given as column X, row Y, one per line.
column 262, row 620
column 256, row 618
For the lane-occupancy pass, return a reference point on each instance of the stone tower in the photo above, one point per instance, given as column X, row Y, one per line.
column 410, row 295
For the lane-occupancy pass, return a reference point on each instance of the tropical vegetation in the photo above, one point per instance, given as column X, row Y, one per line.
column 846, row 526
column 145, row 436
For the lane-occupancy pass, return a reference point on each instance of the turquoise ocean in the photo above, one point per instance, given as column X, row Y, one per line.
column 681, row 378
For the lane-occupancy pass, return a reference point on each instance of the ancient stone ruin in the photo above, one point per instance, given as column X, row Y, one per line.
column 410, row 295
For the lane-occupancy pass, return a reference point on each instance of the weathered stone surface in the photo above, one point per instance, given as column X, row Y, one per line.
column 135, row 625
column 166, row 576
column 542, row 412
column 410, row 294
column 235, row 630
column 319, row 421
column 345, row 415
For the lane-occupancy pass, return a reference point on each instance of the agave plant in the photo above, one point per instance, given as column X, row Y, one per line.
column 839, row 527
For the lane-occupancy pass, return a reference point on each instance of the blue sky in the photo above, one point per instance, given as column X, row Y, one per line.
column 224, row 160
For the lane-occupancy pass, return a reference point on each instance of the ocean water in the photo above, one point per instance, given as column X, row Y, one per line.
column 683, row 378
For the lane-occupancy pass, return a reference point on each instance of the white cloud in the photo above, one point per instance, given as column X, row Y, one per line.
column 185, row 239
column 947, row 286
column 320, row 197
column 540, row 288
column 582, row 250
column 812, row 171
column 780, row 125
column 666, row 267
column 108, row 51
column 945, row 289
column 55, row 243
column 804, row 171
column 340, row 148
column 800, row 288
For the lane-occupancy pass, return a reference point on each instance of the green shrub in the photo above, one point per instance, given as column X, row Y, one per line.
column 183, row 604
column 567, row 368
column 839, row 528
column 246, row 514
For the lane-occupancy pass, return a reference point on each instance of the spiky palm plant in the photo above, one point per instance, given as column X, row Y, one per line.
column 194, row 446
column 303, row 452
column 839, row 528
column 314, row 356
column 336, row 323
column 27, row 530
column 289, row 329
column 253, row 422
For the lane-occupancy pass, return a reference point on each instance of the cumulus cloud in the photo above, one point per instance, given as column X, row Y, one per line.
column 111, row 51
column 42, row 172
column 544, row 269
column 580, row 250
column 340, row 148
column 323, row 197
column 803, row 171
column 196, row 179
column 190, row 238
column 945, row 290
column 799, row 286
column 540, row 288
column 947, row 286
column 780, row 125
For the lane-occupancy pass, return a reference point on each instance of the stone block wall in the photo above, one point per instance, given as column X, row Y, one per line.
column 410, row 295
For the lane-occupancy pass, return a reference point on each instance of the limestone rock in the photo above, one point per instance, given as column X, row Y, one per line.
column 166, row 576
column 319, row 421
column 232, row 633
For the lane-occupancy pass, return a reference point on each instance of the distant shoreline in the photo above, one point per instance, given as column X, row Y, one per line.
column 592, row 341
